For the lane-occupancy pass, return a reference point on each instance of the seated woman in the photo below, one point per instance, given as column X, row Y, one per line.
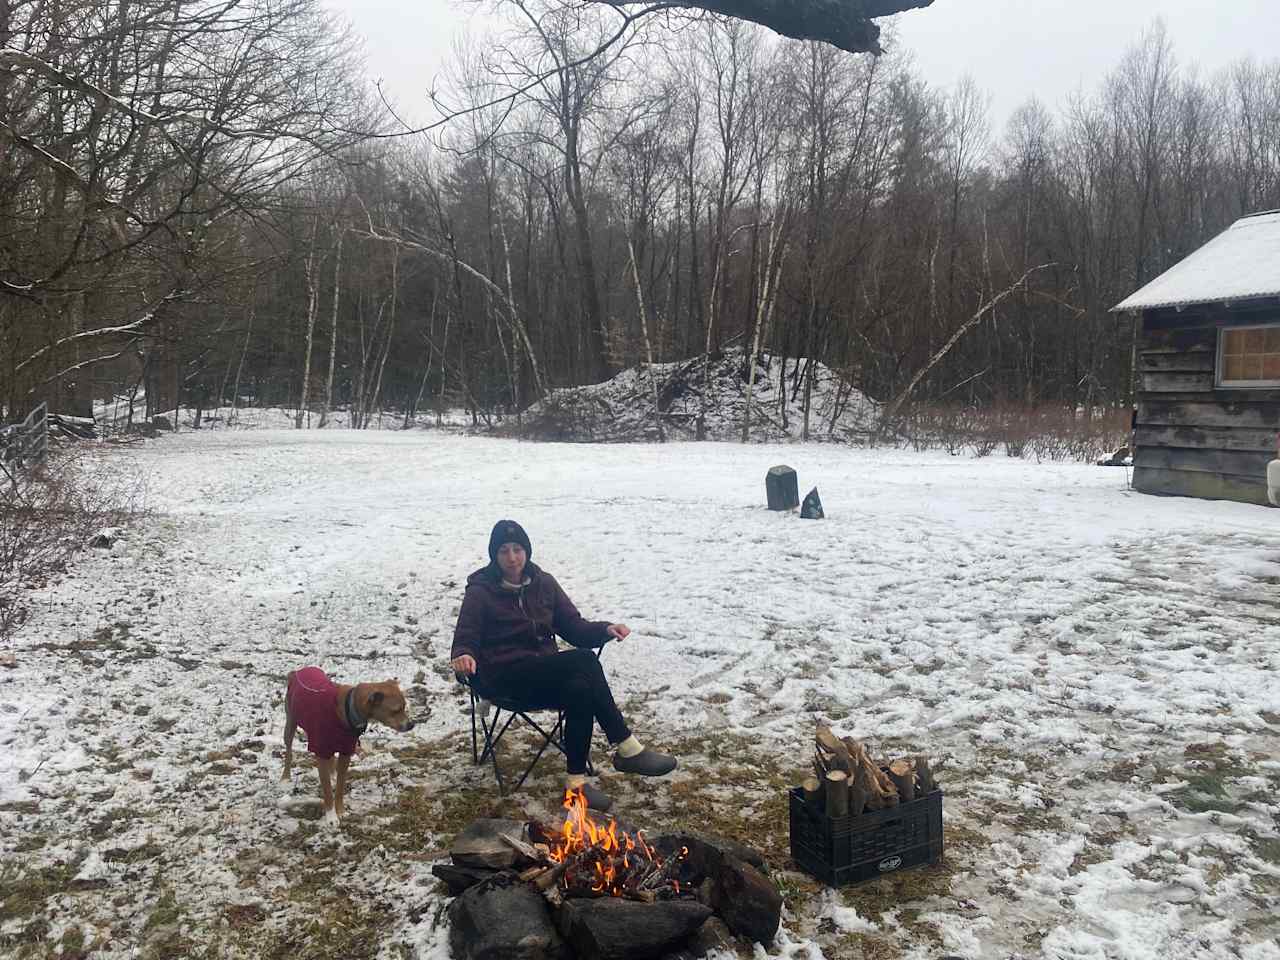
column 505, row 638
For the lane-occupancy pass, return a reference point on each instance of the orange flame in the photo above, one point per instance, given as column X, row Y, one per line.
column 619, row 850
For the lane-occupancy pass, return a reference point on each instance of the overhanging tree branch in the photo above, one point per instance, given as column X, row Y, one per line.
column 846, row 24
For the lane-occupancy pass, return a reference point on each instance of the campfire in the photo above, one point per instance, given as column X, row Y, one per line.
column 590, row 859
column 592, row 888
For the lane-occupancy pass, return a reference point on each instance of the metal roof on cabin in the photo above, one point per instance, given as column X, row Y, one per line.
column 1241, row 263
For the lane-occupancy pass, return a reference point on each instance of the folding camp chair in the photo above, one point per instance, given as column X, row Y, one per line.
column 492, row 716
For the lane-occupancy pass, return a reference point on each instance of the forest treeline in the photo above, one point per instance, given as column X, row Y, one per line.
column 206, row 202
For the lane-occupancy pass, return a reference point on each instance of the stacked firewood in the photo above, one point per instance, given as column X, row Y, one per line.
column 848, row 782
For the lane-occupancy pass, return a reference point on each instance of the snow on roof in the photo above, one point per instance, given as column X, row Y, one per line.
column 1241, row 263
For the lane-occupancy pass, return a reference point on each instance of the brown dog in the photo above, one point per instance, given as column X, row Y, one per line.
column 334, row 715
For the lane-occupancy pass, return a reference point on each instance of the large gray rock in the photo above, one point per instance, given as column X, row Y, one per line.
column 614, row 929
column 782, row 488
column 704, row 848
column 504, row 923
column 747, row 901
column 481, row 844
column 731, row 882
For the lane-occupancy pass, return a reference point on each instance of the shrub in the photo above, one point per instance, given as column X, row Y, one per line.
column 1056, row 433
column 48, row 514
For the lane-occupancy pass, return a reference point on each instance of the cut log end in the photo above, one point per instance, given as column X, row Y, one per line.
column 812, row 787
column 837, row 794
column 903, row 775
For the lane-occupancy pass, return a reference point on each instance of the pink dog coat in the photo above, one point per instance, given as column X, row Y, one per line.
column 312, row 698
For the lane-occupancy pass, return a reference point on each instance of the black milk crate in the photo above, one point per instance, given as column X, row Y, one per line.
column 843, row 850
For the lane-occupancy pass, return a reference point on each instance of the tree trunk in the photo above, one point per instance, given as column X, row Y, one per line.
column 312, row 294
column 248, row 330
column 772, row 269
column 386, row 347
column 892, row 409
column 333, row 328
column 644, row 330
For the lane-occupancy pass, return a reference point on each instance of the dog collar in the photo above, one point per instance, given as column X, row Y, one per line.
column 355, row 722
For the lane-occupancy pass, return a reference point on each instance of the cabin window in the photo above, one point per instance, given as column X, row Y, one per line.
column 1249, row 356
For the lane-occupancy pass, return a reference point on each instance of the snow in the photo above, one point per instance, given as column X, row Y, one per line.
column 1241, row 263
column 1081, row 661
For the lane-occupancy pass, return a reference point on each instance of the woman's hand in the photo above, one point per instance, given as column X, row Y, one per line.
column 465, row 665
column 619, row 631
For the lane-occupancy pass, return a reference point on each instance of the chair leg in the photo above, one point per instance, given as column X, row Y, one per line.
column 552, row 739
column 475, row 754
column 491, row 747
column 490, row 738
column 494, row 729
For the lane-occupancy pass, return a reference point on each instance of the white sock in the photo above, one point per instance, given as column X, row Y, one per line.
column 630, row 747
column 573, row 781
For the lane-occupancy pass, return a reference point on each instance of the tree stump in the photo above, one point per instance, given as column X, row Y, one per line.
column 782, row 488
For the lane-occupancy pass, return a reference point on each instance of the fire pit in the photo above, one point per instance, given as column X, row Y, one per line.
column 592, row 889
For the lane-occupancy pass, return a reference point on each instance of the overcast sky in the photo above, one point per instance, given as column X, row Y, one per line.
column 1014, row 49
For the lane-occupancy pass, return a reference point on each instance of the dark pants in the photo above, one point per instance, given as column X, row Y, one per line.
column 572, row 681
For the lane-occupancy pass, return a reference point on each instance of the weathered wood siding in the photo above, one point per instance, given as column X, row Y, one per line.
column 1193, row 439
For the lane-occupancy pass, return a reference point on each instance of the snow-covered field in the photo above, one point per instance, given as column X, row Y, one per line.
column 1095, row 672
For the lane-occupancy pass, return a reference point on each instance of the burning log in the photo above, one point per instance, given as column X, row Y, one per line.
column 527, row 850
column 550, row 877
column 592, row 860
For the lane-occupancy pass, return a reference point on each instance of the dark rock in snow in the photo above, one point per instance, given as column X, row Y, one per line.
column 614, row 929
column 782, row 488
column 504, row 923
column 105, row 539
column 811, row 509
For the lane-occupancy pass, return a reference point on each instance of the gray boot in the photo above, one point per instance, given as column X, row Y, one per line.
column 646, row 763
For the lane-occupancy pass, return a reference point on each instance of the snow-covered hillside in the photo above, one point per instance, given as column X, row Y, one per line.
column 1094, row 672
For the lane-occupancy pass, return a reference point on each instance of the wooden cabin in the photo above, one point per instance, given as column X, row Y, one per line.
column 1208, row 356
